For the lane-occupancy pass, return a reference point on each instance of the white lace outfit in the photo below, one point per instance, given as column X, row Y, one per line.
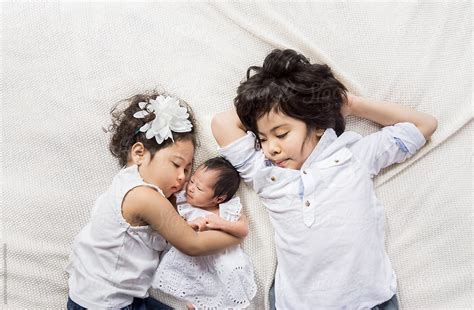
column 220, row 281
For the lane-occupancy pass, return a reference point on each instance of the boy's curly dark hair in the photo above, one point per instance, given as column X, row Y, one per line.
column 288, row 83
column 228, row 180
column 125, row 134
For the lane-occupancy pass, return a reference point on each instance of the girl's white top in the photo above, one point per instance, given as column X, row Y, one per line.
column 329, row 225
column 111, row 261
column 220, row 281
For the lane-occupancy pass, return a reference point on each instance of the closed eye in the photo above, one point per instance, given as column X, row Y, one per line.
column 282, row 135
column 192, row 182
column 175, row 164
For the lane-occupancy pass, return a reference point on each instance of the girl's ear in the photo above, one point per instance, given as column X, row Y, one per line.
column 137, row 152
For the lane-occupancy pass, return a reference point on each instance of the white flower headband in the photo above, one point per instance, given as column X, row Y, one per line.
column 169, row 116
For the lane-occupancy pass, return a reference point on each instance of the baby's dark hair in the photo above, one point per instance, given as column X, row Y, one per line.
column 125, row 128
column 288, row 83
column 228, row 180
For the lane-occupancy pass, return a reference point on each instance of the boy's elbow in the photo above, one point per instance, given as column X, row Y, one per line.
column 430, row 127
column 216, row 123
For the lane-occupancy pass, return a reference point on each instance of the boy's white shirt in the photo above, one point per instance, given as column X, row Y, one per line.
column 329, row 225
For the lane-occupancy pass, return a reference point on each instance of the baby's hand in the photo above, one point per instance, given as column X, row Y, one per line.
column 214, row 221
column 198, row 224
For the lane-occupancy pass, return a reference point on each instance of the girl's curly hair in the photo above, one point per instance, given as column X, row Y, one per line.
column 124, row 128
column 288, row 83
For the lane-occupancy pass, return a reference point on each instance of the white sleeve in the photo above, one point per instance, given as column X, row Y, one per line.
column 186, row 211
column 230, row 210
column 392, row 144
column 244, row 157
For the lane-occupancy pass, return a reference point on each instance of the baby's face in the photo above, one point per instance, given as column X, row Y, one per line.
column 200, row 189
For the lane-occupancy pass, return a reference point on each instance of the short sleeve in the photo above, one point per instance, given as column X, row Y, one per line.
column 244, row 157
column 230, row 210
column 186, row 211
column 392, row 144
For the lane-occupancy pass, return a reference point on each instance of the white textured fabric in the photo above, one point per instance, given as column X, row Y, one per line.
column 64, row 65
column 112, row 261
column 221, row 281
column 329, row 225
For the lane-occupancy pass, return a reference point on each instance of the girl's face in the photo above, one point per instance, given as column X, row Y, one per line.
column 170, row 167
column 284, row 139
column 200, row 189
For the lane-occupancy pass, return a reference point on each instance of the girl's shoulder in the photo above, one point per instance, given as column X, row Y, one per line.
column 138, row 202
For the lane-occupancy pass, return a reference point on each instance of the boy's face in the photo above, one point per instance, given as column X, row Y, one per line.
column 284, row 139
column 200, row 189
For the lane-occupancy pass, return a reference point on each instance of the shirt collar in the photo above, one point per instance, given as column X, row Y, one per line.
column 329, row 143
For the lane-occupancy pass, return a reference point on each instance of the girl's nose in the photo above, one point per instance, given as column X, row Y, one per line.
column 181, row 176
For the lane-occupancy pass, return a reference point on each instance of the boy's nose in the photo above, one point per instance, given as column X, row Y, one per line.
column 274, row 149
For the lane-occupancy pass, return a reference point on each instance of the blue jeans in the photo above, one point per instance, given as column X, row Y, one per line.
column 391, row 304
column 148, row 303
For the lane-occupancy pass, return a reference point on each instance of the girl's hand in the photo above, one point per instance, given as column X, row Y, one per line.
column 214, row 221
column 198, row 224
column 346, row 109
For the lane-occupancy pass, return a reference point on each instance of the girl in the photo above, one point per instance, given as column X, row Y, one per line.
column 316, row 180
column 116, row 254
column 220, row 281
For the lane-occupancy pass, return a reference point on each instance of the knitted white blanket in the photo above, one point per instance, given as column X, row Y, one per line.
column 66, row 64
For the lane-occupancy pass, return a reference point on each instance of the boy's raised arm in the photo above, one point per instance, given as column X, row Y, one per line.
column 227, row 127
column 387, row 113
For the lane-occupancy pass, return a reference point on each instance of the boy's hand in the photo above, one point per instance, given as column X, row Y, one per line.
column 198, row 224
column 346, row 109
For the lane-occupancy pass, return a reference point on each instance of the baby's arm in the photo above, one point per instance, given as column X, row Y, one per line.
column 154, row 209
column 239, row 228
column 227, row 127
column 387, row 113
column 199, row 224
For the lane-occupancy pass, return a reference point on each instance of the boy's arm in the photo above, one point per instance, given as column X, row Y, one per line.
column 387, row 113
column 239, row 229
column 227, row 127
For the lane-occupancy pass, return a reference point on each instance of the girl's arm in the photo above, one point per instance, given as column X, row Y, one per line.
column 387, row 113
column 239, row 229
column 227, row 127
column 154, row 209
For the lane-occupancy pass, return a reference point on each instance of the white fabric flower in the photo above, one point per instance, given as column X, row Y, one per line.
column 169, row 116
